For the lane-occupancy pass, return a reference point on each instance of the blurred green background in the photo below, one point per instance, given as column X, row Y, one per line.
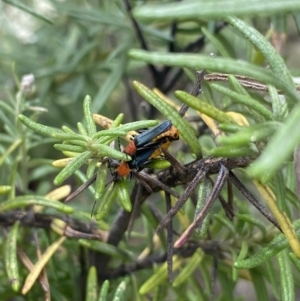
column 78, row 48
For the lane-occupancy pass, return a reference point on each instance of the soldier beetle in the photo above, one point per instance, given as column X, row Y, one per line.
column 141, row 156
column 140, row 159
column 149, row 137
column 152, row 135
column 147, row 146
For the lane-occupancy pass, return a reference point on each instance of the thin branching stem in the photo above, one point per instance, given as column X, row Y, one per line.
column 195, row 91
column 184, row 197
column 80, row 189
column 141, row 38
column 221, row 179
column 169, row 239
column 252, row 199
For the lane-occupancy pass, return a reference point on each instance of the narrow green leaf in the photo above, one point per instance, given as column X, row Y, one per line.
column 22, row 201
column 236, row 85
column 106, row 202
column 136, row 125
column 204, row 191
column 216, row 64
column 230, row 128
column 4, row 189
column 279, row 191
column 67, row 130
column 233, row 152
column 117, row 122
column 6, row 107
column 117, row 130
column 76, row 142
column 86, row 15
column 292, row 198
column 274, row 60
column 279, row 105
column 238, row 88
column 10, row 149
column 69, row 136
column 278, row 244
column 189, row 269
column 227, row 285
column 295, row 261
column 70, row 148
column 90, row 123
column 279, row 23
column 8, row 123
column 104, row 248
column 199, row 292
column 100, row 181
column 296, row 17
column 91, row 285
column 159, row 293
column 272, row 273
column 206, row 275
column 242, row 227
column 159, row 164
column 102, row 150
column 91, row 168
column 183, row 126
column 28, row 10
column 213, row 9
column 212, row 38
column 104, row 291
column 39, row 128
column 226, row 223
column 251, row 134
column 81, row 129
column 149, row 217
column 112, row 133
column 280, row 147
column 234, row 272
column 253, row 221
column 286, row 277
column 259, row 284
column 109, row 85
column 74, row 165
column 120, row 291
column 159, row 277
column 123, row 195
column 134, row 287
column 203, row 107
column 11, row 261
column 245, row 100
column 243, row 251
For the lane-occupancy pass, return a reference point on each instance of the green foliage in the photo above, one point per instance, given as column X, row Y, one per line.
column 75, row 48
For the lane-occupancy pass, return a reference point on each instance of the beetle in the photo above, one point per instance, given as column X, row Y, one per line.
column 151, row 136
column 147, row 146
column 142, row 156
column 140, row 159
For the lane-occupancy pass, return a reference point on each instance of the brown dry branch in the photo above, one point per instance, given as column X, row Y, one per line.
column 88, row 230
column 171, row 178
